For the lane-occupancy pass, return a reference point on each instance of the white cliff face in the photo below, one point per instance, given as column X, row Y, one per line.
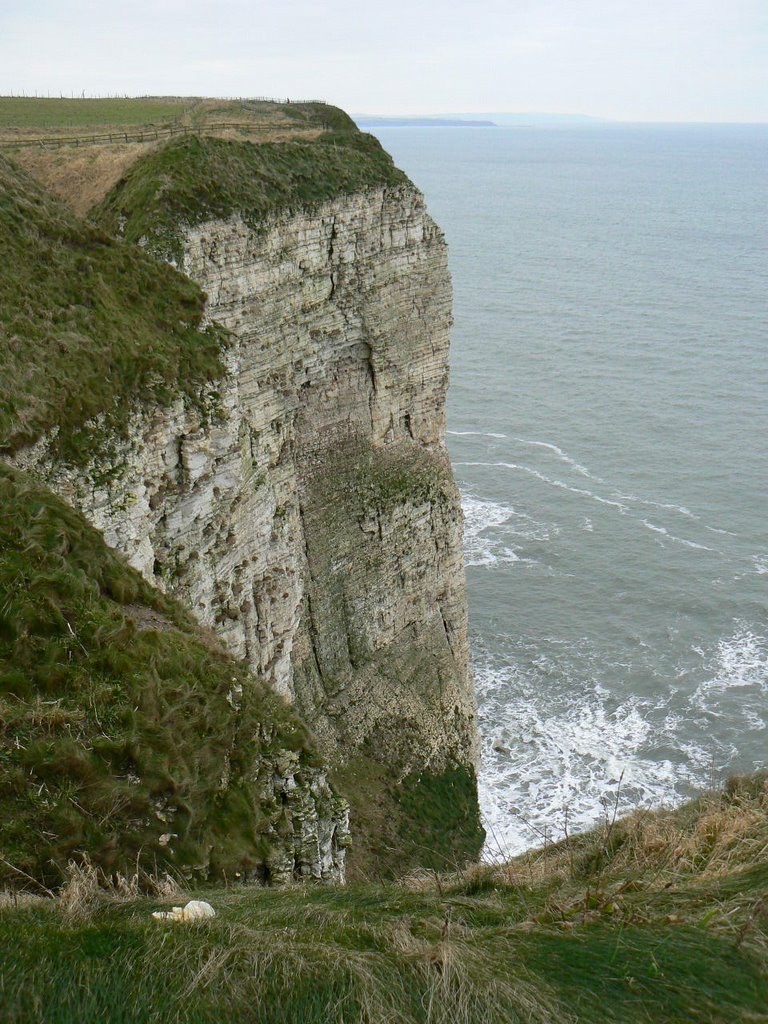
column 309, row 515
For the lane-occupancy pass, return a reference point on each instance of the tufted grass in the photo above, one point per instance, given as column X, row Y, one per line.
column 544, row 939
column 126, row 733
column 88, row 325
column 197, row 178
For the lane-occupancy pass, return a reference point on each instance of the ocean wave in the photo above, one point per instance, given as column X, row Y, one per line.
column 553, row 762
column 564, row 456
column 479, row 517
column 547, row 480
column 668, row 505
column 474, row 433
column 618, row 498
column 670, row 536
column 620, row 505
column 491, row 530
column 739, row 662
column 560, row 745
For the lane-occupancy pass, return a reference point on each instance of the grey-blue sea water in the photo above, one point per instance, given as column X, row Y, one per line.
column 608, row 421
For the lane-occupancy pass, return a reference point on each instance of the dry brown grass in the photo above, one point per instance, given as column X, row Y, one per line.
column 87, row 889
column 12, row 899
column 81, row 177
column 719, row 833
column 709, row 839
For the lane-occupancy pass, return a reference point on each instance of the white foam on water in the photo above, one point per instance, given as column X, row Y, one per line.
column 760, row 562
column 670, row 536
column 564, row 456
column 618, row 499
column 562, row 758
column 491, row 529
column 739, row 662
column 480, row 517
column 623, row 508
column 548, row 480
column 474, row 433
column 668, row 505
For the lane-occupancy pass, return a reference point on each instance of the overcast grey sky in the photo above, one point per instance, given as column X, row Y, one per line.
column 665, row 60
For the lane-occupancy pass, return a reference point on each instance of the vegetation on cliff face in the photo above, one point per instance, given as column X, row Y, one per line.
column 198, row 178
column 125, row 733
column 406, row 768
column 91, row 326
column 428, row 819
column 661, row 918
column 88, row 325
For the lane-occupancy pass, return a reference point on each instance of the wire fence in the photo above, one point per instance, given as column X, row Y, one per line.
column 150, row 133
column 23, row 95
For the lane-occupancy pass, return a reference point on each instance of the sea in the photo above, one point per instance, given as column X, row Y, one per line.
column 608, row 427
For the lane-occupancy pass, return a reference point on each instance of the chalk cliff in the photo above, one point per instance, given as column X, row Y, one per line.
column 305, row 508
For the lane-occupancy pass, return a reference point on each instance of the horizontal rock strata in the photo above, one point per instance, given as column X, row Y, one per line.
column 308, row 514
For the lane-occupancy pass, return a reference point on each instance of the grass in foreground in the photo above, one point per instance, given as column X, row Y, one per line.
column 659, row 919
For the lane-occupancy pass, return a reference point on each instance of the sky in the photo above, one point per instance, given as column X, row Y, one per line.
column 633, row 60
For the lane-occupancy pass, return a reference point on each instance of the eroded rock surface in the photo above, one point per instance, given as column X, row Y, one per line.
column 309, row 514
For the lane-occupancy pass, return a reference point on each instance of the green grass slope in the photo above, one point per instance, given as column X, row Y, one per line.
column 88, row 325
column 194, row 179
column 120, row 722
column 658, row 919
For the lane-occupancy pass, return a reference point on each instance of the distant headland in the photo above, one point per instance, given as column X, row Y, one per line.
column 475, row 120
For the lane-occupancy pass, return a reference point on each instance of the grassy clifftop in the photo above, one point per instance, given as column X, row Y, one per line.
column 198, row 178
column 27, row 116
column 88, row 325
column 658, row 919
column 125, row 732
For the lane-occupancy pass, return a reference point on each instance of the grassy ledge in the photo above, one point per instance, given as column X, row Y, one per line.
column 658, row 919
column 88, row 325
column 125, row 733
column 195, row 179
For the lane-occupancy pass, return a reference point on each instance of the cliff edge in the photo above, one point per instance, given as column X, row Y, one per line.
column 293, row 491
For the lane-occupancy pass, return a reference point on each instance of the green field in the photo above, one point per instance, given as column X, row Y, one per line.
column 31, row 116
column 660, row 919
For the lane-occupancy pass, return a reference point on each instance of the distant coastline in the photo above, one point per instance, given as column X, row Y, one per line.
column 474, row 120
column 420, row 122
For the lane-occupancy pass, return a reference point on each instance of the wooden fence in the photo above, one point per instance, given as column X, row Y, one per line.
column 148, row 133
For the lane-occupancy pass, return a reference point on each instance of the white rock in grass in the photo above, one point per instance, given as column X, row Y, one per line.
column 195, row 910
